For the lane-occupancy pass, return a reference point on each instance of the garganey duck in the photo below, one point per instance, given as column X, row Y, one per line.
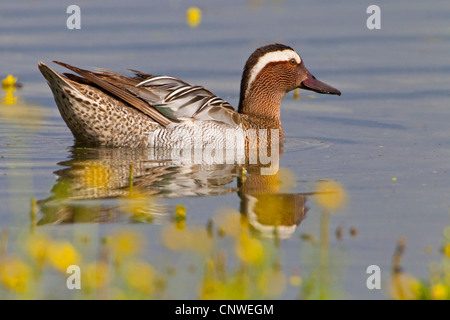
column 105, row 108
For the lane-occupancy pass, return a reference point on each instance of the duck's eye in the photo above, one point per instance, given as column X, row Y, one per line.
column 293, row 62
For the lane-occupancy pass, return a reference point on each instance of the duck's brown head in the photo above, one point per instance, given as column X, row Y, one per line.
column 270, row 72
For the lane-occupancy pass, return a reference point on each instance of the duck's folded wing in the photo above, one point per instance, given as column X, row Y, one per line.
column 165, row 99
column 181, row 100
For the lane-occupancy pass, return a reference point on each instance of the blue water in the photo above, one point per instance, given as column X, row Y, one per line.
column 386, row 139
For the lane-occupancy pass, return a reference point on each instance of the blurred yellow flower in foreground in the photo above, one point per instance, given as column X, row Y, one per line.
column 15, row 274
column 439, row 292
column 330, row 195
column 126, row 243
column 295, row 281
column 220, row 290
column 37, row 246
column 249, row 249
column 95, row 275
column 447, row 250
column 140, row 275
column 234, row 287
column 193, row 16
column 63, row 254
column 405, row 287
column 211, row 290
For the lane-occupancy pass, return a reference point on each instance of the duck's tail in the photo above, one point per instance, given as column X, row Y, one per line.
column 95, row 117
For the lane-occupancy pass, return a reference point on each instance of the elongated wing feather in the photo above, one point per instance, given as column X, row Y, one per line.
column 182, row 100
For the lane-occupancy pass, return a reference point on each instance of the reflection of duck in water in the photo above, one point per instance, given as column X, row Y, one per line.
column 110, row 109
column 95, row 182
column 115, row 175
column 270, row 211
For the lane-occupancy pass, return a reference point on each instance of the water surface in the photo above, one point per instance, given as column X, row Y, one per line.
column 386, row 139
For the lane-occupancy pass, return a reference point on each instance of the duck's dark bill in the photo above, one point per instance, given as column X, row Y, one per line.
column 311, row 83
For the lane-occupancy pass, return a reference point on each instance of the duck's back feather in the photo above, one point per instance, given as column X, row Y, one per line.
column 179, row 100
column 165, row 99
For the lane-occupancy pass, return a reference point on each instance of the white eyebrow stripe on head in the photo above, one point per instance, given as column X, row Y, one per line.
column 274, row 56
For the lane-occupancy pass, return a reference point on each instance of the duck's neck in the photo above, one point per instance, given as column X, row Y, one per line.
column 262, row 104
column 260, row 109
column 261, row 98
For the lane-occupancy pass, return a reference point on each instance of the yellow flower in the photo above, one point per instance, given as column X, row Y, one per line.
column 330, row 195
column 95, row 275
column 210, row 290
column 193, row 16
column 295, row 281
column 126, row 243
column 234, row 288
column 9, row 81
column 37, row 247
column 62, row 254
column 118, row 294
column 180, row 217
column 249, row 250
column 447, row 250
column 439, row 292
column 180, row 212
column 405, row 287
column 140, row 275
column 15, row 274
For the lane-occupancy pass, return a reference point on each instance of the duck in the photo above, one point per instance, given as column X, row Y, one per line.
column 110, row 109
